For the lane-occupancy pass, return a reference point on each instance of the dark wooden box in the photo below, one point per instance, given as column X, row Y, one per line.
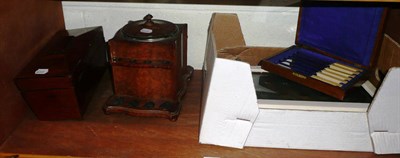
column 59, row 81
column 336, row 46
column 149, row 77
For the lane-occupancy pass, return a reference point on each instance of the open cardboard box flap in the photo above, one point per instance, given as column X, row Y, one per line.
column 230, row 43
column 248, row 54
column 226, row 30
column 229, row 98
column 230, row 121
column 384, row 115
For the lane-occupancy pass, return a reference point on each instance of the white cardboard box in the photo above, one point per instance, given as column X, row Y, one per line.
column 233, row 117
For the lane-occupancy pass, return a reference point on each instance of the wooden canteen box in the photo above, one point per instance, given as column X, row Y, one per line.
column 59, row 81
column 336, row 46
column 149, row 68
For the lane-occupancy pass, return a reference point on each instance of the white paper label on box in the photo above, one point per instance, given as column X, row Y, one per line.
column 146, row 30
column 41, row 71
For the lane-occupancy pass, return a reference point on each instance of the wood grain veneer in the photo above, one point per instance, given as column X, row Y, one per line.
column 100, row 135
column 25, row 27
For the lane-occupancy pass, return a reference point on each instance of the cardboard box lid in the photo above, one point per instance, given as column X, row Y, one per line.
column 344, row 30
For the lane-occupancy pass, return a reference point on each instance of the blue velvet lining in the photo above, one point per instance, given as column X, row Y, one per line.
column 307, row 62
column 303, row 61
column 346, row 32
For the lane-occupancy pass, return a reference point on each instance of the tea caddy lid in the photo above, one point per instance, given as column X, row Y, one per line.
column 149, row 30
